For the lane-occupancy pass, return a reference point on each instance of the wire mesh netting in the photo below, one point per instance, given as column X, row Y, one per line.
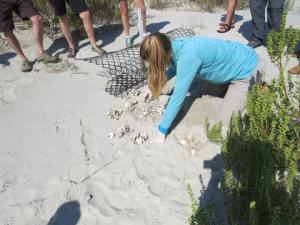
column 125, row 70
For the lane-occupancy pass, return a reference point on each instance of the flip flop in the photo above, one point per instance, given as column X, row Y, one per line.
column 224, row 28
column 232, row 25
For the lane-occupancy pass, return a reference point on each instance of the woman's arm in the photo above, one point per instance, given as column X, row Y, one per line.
column 187, row 67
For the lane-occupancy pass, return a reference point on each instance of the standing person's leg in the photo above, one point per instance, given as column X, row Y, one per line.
column 141, row 5
column 7, row 26
column 60, row 11
column 66, row 29
column 125, row 21
column 37, row 34
column 275, row 10
column 257, row 8
column 234, row 101
column 26, row 10
column 124, row 16
column 80, row 7
column 15, row 45
column 229, row 21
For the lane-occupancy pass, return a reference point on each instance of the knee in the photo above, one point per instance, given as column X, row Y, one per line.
column 85, row 15
column 36, row 20
column 63, row 19
column 143, row 10
column 141, row 6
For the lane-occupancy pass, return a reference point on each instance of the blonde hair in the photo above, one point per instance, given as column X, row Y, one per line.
column 156, row 49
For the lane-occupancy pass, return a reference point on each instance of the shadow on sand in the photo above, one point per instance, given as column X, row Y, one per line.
column 4, row 58
column 68, row 214
column 212, row 205
column 246, row 30
column 199, row 88
column 153, row 27
column 106, row 33
column 236, row 18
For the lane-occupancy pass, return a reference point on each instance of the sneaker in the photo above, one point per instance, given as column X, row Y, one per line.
column 26, row 66
column 295, row 70
column 98, row 50
column 128, row 41
column 296, row 54
column 72, row 53
column 48, row 58
column 254, row 43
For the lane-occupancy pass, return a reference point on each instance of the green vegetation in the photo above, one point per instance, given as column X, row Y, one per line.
column 214, row 133
column 261, row 153
column 203, row 215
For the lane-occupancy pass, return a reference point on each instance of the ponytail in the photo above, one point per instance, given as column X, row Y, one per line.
column 156, row 48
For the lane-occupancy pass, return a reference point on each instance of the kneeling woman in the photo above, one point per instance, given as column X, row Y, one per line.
column 213, row 60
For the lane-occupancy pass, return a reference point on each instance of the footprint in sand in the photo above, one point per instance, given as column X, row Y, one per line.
column 92, row 142
column 8, row 88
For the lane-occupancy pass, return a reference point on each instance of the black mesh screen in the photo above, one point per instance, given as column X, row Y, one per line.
column 125, row 69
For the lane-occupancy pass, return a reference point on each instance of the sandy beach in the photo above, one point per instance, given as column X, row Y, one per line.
column 64, row 160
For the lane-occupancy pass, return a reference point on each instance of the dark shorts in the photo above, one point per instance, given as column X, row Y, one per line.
column 23, row 8
column 77, row 6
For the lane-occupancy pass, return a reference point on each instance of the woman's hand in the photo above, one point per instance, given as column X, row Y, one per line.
column 148, row 96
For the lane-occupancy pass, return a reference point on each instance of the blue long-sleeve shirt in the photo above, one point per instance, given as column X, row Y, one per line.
column 213, row 60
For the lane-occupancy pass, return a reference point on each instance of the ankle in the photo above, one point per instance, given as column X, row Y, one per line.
column 24, row 59
column 40, row 53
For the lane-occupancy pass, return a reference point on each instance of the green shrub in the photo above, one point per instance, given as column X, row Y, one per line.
column 214, row 133
column 203, row 215
column 262, row 151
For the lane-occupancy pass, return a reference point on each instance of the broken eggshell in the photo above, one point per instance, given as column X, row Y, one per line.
column 114, row 114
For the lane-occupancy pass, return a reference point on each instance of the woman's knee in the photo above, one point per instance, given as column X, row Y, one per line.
column 86, row 15
column 141, row 5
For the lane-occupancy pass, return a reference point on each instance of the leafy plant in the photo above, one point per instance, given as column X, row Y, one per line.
column 214, row 133
column 262, row 151
column 202, row 215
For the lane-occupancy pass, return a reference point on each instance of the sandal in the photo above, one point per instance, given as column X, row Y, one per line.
column 224, row 28
column 232, row 25
column 72, row 53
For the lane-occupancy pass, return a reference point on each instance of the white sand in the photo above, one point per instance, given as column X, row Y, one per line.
column 57, row 164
